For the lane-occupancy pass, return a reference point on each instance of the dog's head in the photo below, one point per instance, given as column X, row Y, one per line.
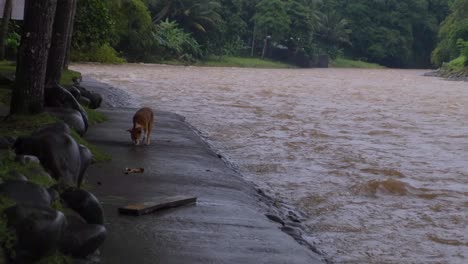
column 135, row 134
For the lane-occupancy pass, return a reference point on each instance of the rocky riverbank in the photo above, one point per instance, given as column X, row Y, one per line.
column 46, row 215
column 449, row 75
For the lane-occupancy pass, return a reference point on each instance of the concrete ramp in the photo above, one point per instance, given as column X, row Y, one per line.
column 227, row 225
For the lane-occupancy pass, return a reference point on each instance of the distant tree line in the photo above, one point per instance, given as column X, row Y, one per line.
column 394, row 33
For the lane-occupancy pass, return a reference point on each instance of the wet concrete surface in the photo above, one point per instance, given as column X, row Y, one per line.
column 228, row 223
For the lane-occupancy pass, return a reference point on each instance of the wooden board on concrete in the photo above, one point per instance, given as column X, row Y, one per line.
column 156, row 205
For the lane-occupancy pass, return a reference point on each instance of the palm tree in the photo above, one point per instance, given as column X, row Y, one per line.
column 332, row 32
column 332, row 29
column 193, row 15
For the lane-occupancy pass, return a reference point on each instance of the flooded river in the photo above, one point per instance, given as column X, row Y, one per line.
column 377, row 159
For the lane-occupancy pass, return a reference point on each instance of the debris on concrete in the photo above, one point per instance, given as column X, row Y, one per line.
column 137, row 170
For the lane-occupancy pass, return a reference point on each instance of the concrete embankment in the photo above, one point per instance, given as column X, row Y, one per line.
column 228, row 223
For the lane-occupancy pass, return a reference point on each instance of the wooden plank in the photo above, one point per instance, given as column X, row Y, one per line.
column 156, row 205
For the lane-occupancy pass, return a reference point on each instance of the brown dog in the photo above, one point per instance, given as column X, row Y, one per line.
column 143, row 121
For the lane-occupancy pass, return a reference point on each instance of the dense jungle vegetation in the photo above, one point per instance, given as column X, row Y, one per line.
column 394, row 33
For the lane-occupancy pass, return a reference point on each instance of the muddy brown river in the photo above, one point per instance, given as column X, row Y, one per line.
column 377, row 159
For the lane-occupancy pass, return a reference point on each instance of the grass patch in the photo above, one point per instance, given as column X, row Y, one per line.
column 347, row 63
column 33, row 171
column 102, row 54
column 67, row 77
column 7, row 66
column 228, row 61
column 95, row 117
column 23, row 125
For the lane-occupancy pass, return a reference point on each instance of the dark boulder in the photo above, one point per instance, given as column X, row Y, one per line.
column 58, row 152
column 59, row 97
column 85, row 204
column 85, row 101
column 94, row 98
column 54, row 194
column 38, row 230
column 23, row 192
column 71, row 117
column 74, row 91
column 86, row 160
column 81, row 239
column 25, row 159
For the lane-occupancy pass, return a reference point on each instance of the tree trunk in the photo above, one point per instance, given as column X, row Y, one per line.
column 58, row 47
column 4, row 28
column 28, row 90
column 253, row 39
column 70, row 36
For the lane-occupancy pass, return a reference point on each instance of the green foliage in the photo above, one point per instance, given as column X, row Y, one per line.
column 101, row 54
column 173, row 42
column 272, row 19
column 95, row 117
column 229, row 35
column 134, row 29
column 193, row 15
column 94, row 25
column 454, row 27
column 392, row 33
column 68, row 76
column 18, row 125
column 333, row 31
column 29, row 170
column 455, row 65
column 13, row 42
column 463, row 46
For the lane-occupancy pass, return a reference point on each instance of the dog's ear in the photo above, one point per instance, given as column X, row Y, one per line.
column 129, row 130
